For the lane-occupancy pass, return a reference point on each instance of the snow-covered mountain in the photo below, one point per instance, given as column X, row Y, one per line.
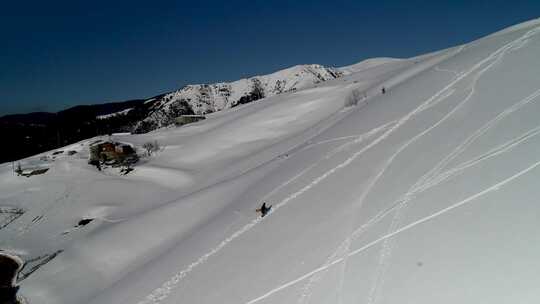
column 209, row 98
column 425, row 194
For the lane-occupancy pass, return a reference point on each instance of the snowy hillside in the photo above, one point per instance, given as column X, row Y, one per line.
column 366, row 65
column 209, row 98
column 425, row 194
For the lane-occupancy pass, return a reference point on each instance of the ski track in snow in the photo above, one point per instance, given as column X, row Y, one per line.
column 162, row 292
column 492, row 188
column 347, row 241
column 430, row 175
column 386, row 250
column 385, row 255
column 439, row 96
column 505, row 147
column 320, row 270
column 455, row 73
column 165, row 289
column 435, row 177
column 43, row 214
column 306, row 289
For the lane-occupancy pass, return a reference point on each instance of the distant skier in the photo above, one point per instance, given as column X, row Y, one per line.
column 383, row 90
column 264, row 210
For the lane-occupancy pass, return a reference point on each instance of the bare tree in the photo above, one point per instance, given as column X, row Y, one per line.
column 354, row 97
column 151, row 147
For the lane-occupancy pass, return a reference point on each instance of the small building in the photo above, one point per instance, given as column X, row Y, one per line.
column 111, row 151
column 187, row 119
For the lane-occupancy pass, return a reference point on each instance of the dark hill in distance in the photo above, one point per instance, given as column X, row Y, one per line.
column 28, row 134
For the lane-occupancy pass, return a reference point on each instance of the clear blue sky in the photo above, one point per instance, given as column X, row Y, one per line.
column 55, row 54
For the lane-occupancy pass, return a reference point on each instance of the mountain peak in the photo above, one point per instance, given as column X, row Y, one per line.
column 209, row 98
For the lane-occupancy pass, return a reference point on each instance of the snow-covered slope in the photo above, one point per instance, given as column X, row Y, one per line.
column 425, row 194
column 366, row 65
column 209, row 98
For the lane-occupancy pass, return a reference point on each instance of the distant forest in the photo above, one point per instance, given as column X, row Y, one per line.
column 29, row 134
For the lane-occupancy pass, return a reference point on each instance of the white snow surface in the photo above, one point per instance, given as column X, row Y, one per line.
column 366, row 65
column 425, row 194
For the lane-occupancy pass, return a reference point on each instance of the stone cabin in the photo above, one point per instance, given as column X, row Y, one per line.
column 110, row 151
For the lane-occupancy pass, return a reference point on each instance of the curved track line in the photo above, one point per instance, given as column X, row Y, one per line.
column 162, row 292
column 435, row 99
column 474, row 136
column 492, row 188
column 386, row 250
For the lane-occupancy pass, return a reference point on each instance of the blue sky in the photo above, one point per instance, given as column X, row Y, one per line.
column 56, row 54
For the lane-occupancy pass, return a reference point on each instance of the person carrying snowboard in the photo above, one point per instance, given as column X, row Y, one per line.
column 264, row 209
